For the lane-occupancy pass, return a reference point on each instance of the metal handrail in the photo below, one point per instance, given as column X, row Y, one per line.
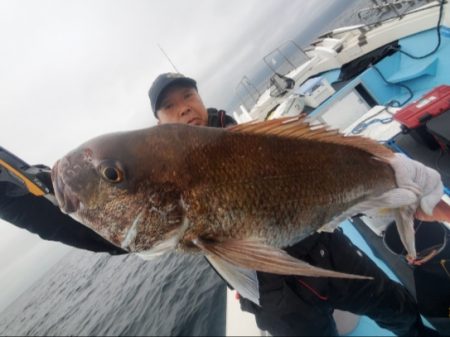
column 279, row 50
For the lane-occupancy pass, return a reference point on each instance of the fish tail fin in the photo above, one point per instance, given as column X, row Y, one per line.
column 441, row 212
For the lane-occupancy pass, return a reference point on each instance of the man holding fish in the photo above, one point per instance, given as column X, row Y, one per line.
column 261, row 201
column 293, row 305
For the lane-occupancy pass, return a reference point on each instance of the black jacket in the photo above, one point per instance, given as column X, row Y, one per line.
column 41, row 217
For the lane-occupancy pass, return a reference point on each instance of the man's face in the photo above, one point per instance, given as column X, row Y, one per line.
column 180, row 104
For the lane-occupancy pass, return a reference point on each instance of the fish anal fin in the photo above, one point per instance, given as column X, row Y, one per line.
column 300, row 128
column 255, row 255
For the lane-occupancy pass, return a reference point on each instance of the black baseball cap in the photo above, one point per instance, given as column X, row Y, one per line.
column 162, row 82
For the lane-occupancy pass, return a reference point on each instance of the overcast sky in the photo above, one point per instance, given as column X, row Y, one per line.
column 71, row 70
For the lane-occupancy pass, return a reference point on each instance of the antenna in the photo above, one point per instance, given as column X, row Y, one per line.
column 167, row 57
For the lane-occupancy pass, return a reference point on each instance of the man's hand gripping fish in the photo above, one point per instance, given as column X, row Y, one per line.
column 240, row 195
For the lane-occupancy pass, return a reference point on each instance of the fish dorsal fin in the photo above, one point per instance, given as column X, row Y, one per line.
column 255, row 255
column 300, row 128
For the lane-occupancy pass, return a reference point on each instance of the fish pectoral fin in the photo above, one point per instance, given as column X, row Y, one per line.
column 255, row 255
column 244, row 281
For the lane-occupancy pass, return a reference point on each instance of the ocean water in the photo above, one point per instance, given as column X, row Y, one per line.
column 99, row 294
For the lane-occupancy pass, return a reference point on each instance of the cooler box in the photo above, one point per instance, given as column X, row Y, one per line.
column 414, row 116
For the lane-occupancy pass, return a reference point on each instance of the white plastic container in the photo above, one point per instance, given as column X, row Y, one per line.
column 315, row 91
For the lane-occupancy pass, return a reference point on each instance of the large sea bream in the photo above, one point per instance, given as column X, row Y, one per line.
column 238, row 195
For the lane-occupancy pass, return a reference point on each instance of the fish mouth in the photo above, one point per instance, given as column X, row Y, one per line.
column 67, row 200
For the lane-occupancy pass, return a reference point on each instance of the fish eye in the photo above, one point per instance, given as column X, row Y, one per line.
column 112, row 173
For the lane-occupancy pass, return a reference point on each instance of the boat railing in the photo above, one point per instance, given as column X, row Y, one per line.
column 285, row 58
column 247, row 92
column 383, row 10
column 280, row 61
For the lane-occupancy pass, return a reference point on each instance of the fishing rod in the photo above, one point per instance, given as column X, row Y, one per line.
column 167, row 57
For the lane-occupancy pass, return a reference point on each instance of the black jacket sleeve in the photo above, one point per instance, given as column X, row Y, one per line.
column 41, row 217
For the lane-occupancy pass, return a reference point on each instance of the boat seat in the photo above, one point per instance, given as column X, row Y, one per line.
column 409, row 71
